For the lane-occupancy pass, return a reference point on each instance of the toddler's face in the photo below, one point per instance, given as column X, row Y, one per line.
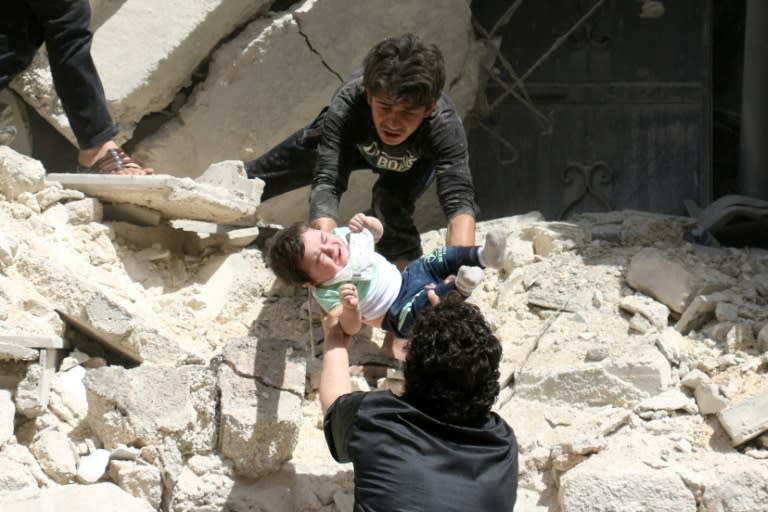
column 324, row 255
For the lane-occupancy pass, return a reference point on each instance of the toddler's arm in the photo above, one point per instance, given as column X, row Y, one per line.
column 350, row 319
column 361, row 221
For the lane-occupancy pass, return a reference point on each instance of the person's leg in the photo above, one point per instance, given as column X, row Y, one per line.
column 412, row 298
column 66, row 25
column 66, row 28
column 401, row 241
column 288, row 165
column 20, row 37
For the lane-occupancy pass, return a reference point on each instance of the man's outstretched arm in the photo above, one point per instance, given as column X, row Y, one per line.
column 461, row 230
column 334, row 378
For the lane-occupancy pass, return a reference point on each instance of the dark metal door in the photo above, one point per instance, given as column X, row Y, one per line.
column 593, row 105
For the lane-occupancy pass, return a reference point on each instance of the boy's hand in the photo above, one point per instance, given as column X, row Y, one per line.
column 348, row 296
column 358, row 222
column 432, row 296
column 362, row 221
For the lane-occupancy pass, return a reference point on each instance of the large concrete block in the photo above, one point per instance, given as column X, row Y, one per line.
column 145, row 52
column 261, row 396
column 601, row 484
column 276, row 76
column 145, row 405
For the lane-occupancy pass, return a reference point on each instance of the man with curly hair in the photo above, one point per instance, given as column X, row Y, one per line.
column 438, row 447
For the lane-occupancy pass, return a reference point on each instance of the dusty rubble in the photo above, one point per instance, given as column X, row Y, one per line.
column 138, row 364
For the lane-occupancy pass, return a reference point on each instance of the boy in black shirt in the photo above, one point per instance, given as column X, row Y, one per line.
column 390, row 117
column 393, row 118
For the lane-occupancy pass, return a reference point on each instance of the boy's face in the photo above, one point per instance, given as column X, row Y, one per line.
column 395, row 122
column 324, row 255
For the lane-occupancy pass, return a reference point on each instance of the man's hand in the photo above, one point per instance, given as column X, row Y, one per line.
column 333, row 335
column 348, row 296
column 326, row 224
column 360, row 221
column 461, row 230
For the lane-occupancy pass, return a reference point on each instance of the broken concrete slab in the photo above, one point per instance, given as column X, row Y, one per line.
column 656, row 312
column 144, row 69
column 176, row 198
column 44, row 349
column 700, row 311
column 107, row 314
column 16, row 352
column 295, row 94
column 634, row 370
column 746, row 419
column 143, row 406
column 662, row 277
column 623, row 485
column 19, row 174
column 99, row 497
column 260, row 412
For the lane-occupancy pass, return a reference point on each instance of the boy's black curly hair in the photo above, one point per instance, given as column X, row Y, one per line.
column 452, row 366
column 286, row 250
column 406, row 69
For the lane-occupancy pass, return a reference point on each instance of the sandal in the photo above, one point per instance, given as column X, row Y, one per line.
column 116, row 161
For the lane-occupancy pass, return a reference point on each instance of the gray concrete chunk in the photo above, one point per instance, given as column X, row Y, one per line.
column 746, row 419
column 176, row 198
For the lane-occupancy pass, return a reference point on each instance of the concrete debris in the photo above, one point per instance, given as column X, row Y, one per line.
column 179, row 375
column 217, row 407
column 746, row 419
column 174, row 198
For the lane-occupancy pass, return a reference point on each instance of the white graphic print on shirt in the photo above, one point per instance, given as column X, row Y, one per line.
column 380, row 159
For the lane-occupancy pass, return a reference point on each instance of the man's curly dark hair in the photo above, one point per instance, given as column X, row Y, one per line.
column 406, row 69
column 286, row 250
column 452, row 366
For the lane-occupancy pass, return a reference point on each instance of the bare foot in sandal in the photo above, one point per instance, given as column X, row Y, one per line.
column 109, row 158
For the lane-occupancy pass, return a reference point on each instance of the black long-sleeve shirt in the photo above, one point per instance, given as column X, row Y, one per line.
column 349, row 141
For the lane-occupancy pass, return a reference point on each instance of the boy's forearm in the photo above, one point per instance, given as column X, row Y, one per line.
column 375, row 227
column 334, row 377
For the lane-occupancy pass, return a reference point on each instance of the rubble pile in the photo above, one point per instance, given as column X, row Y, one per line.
column 148, row 364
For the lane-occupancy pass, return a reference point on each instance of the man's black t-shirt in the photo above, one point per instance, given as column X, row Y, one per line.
column 405, row 460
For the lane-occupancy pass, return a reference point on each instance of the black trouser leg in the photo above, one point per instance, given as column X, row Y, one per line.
column 66, row 28
column 290, row 164
column 20, row 37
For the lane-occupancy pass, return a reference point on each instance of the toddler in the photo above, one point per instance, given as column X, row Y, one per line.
column 343, row 271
